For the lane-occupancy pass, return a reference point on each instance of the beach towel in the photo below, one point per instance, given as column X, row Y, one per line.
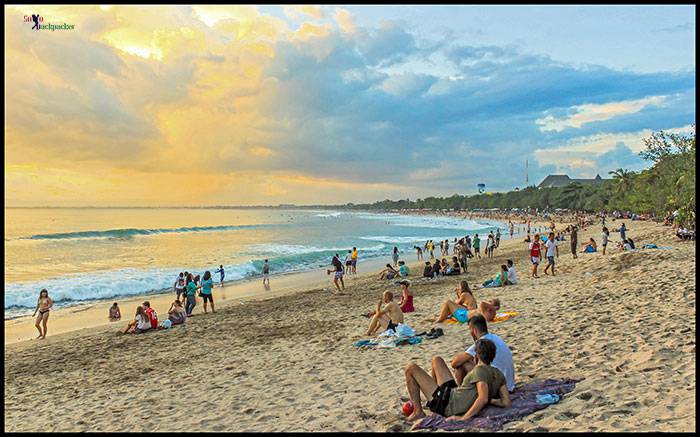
column 500, row 317
column 388, row 342
column 492, row 418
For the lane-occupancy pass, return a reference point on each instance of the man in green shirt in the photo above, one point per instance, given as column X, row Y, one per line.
column 476, row 244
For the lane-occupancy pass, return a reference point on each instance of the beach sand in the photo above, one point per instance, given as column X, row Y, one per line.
column 625, row 322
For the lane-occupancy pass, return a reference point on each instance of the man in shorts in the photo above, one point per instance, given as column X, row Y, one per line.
column 535, row 249
column 348, row 262
column 476, row 244
column 574, row 241
column 552, row 250
column 388, row 317
column 338, row 275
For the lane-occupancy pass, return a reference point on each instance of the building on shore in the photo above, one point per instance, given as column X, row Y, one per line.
column 562, row 180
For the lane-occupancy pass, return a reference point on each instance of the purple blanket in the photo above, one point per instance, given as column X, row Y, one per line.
column 492, row 417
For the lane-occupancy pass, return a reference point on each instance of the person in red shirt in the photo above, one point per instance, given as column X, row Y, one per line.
column 152, row 315
column 535, row 249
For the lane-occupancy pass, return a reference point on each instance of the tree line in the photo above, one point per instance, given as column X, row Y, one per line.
column 667, row 186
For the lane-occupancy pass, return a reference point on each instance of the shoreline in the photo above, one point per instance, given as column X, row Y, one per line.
column 92, row 314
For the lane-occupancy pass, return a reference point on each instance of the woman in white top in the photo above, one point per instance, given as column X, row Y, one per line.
column 140, row 323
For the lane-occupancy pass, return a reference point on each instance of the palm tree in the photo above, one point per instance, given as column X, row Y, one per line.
column 571, row 194
column 623, row 178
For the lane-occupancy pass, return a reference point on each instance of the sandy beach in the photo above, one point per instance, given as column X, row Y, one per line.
column 624, row 322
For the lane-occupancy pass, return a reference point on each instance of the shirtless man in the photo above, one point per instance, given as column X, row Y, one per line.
column 387, row 317
column 465, row 300
column 489, row 308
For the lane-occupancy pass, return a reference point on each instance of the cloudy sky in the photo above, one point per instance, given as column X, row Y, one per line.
column 243, row 105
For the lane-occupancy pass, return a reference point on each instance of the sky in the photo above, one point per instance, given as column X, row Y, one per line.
column 246, row 105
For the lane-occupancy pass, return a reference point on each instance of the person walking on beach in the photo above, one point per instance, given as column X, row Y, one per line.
column 490, row 245
column 574, row 242
column 395, row 256
column 206, row 293
column 354, row 260
column 535, row 249
column 623, row 229
column 605, row 235
column 266, row 273
column 498, row 237
column 431, row 247
column 43, row 306
column 552, row 250
column 476, row 243
column 338, row 276
column 190, row 292
column 221, row 270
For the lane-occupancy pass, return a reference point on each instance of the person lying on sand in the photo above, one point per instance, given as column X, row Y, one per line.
column 465, row 300
column 388, row 317
column 489, row 308
column 388, row 273
column 483, row 385
column 464, row 362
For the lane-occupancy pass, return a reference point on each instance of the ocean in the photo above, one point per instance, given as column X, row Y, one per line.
column 87, row 254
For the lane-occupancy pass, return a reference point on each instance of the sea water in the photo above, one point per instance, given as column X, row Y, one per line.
column 87, row 254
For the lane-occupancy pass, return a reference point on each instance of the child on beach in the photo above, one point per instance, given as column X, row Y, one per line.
column 114, row 313
column 43, row 306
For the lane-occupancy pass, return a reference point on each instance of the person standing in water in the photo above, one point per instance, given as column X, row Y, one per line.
column 266, row 273
column 221, row 270
column 395, row 256
column 43, row 306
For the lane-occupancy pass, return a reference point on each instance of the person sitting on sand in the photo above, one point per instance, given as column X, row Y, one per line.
column 465, row 300
column 428, row 270
column 453, row 269
column 406, row 303
column 590, row 247
column 114, row 313
column 151, row 313
column 464, row 362
column 500, row 280
column 177, row 314
column 484, row 385
column 141, row 322
column 489, row 308
column 388, row 317
column 512, row 274
column 436, row 269
column 388, row 273
column 403, row 269
column 443, row 267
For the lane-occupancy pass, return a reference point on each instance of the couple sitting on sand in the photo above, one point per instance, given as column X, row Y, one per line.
column 506, row 276
column 146, row 318
column 484, row 374
column 390, row 273
column 392, row 314
column 464, row 307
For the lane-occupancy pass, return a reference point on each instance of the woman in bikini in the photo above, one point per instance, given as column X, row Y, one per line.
column 43, row 305
column 465, row 300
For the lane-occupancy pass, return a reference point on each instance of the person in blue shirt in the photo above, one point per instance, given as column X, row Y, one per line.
column 206, row 294
column 220, row 270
